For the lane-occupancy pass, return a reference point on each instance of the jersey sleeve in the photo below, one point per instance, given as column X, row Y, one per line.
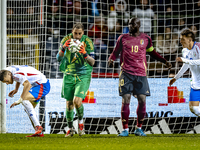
column 149, row 47
column 187, row 61
column 118, row 48
column 89, row 47
column 19, row 77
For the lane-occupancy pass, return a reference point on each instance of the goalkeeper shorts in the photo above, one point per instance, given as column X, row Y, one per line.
column 74, row 85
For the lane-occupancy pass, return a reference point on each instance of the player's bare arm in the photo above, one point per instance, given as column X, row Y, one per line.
column 27, row 87
column 178, row 59
column 13, row 92
column 90, row 60
column 168, row 65
column 110, row 63
column 172, row 81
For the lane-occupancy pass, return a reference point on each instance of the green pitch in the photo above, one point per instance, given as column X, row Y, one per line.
column 99, row 142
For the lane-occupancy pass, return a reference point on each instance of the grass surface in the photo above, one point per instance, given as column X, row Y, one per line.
column 107, row 142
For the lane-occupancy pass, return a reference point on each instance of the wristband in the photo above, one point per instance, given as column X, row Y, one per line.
column 85, row 55
column 62, row 49
column 19, row 101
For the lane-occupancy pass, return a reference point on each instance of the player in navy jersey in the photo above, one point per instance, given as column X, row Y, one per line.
column 132, row 48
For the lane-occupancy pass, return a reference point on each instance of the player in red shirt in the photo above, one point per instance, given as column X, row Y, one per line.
column 132, row 48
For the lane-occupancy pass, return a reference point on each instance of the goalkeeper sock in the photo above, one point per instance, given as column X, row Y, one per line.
column 31, row 112
column 70, row 117
column 141, row 111
column 125, row 111
column 80, row 111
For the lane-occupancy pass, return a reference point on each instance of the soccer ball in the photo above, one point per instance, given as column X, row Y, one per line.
column 74, row 46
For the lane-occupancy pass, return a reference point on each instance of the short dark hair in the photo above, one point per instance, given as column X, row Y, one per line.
column 78, row 26
column 3, row 74
column 188, row 33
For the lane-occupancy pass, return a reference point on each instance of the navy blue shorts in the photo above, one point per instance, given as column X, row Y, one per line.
column 131, row 84
column 40, row 91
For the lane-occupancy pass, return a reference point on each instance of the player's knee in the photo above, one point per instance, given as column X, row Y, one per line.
column 191, row 109
column 126, row 98
column 69, row 105
column 195, row 110
column 77, row 102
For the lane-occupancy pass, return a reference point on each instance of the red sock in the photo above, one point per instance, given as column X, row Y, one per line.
column 141, row 111
column 125, row 111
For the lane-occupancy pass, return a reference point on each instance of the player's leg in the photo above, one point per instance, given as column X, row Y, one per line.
column 125, row 90
column 81, row 89
column 80, row 111
column 125, row 111
column 68, row 93
column 29, row 109
column 194, row 102
column 70, row 117
column 141, row 111
column 141, row 89
column 33, row 98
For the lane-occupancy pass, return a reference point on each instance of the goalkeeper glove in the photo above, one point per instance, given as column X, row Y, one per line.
column 82, row 50
column 67, row 43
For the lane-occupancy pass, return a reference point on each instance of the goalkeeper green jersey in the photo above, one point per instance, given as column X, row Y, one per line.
column 74, row 63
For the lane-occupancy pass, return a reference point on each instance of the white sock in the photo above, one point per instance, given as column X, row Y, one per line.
column 195, row 110
column 81, row 121
column 127, row 129
column 31, row 112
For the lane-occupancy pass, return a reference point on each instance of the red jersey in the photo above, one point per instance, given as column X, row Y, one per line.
column 132, row 52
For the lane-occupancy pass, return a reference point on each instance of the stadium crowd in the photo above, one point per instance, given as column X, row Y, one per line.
column 104, row 21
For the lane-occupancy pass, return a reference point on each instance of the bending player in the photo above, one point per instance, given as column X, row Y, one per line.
column 35, row 85
column 132, row 48
column 191, row 59
column 77, row 68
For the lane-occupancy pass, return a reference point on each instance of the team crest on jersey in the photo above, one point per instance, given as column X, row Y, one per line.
column 141, row 41
column 195, row 54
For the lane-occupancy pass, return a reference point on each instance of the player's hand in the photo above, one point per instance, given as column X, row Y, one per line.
column 168, row 65
column 12, row 93
column 67, row 43
column 172, row 81
column 178, row 59
column 13, row 104
column 110, row 63
column 82, row 49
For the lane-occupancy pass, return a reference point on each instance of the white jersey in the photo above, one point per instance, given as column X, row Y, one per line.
column 23, row 72
column 191, row 59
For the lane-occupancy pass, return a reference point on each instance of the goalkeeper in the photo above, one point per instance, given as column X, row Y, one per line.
column 77, row 68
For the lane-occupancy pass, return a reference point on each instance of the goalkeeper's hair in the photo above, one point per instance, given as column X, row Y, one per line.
column 188, row 33
column 3, row 73
column 78, row 26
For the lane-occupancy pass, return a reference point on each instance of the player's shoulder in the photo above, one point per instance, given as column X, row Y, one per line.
column 124, row 35
column 185, row 51
column 67, row 37
column 86, row 38
column 144, row 35
column 197, row 44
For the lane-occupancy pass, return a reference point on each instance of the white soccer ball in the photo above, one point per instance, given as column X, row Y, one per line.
column 74, row 46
